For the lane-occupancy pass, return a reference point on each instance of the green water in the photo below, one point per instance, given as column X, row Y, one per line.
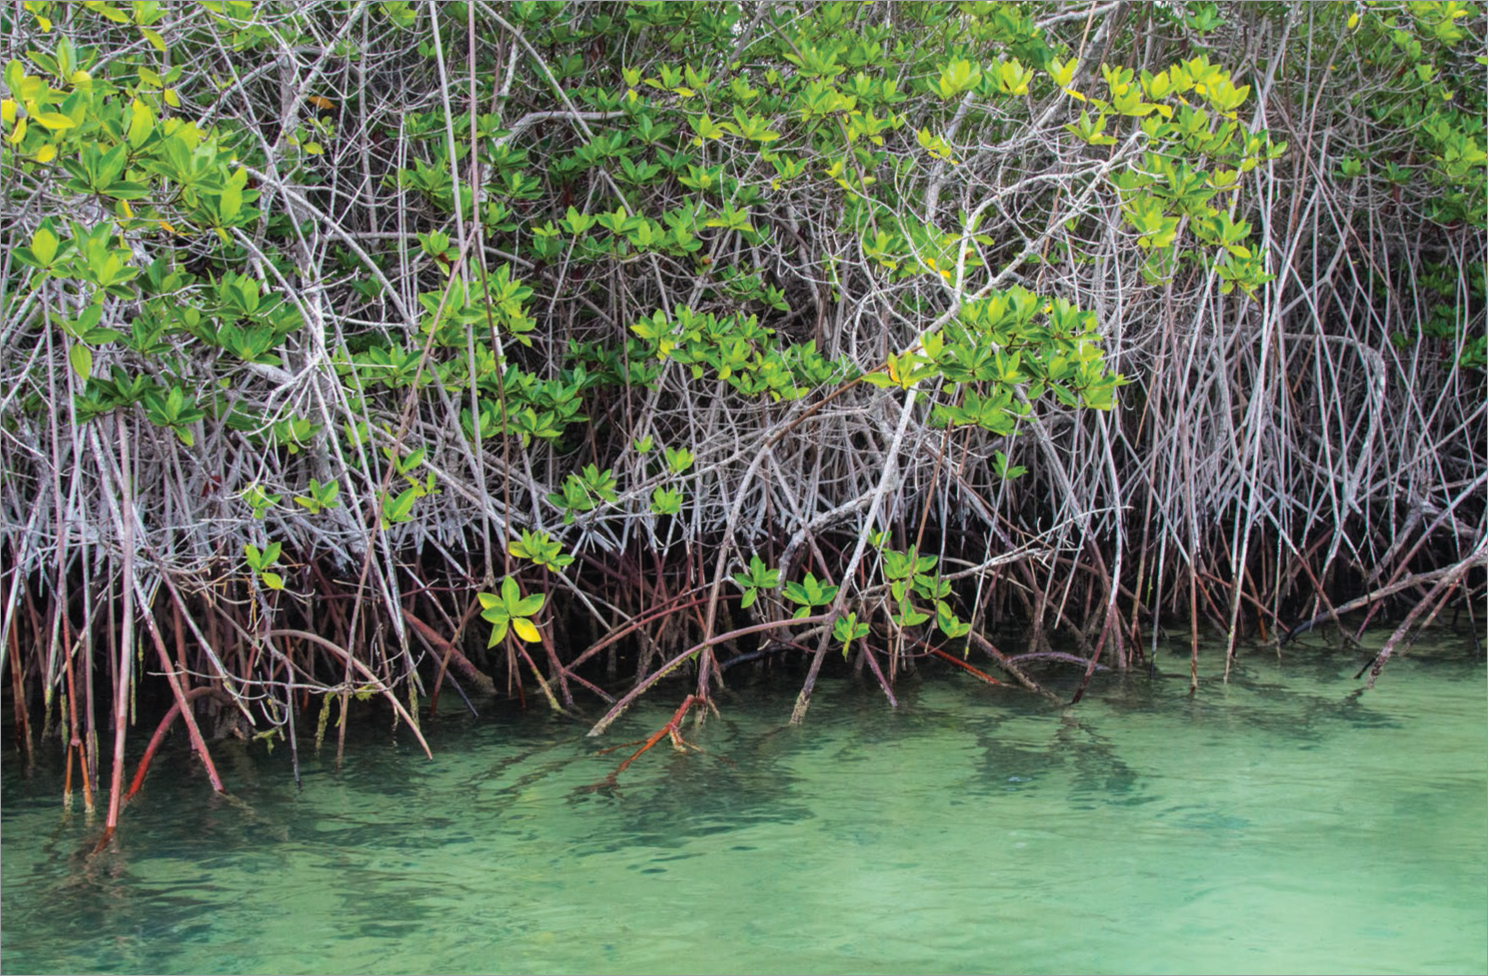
column 1279, row 823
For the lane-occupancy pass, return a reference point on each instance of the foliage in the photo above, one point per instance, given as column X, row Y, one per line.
column 446, row 275
column 510, row 609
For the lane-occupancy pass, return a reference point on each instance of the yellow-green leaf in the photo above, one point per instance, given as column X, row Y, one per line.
column 141, row 123
column 81, row 358
column 525, row 630
column 109, row 12
column 1063, row 74
column 54, row 120
column 44, row 244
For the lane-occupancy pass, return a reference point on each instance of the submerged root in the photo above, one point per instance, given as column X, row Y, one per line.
column 672, row 730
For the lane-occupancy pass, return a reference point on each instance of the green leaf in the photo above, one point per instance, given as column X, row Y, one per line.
column 81, row 358
column 958, row 76
column 141, row 123
column 511, row 593
column 1063, row 73
column 910, row 617
column 666, row 501
column 44, row 244
column 950, row 625
column 54, row 120
column 400, row 508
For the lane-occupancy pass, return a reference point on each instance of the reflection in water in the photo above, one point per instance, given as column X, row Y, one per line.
column 1278, row 823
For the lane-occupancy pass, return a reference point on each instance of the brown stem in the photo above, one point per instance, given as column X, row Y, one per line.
column 159, row 737
column 1440, row 591
column 1007, row 665
column 965, row 667
column 1333, row 613
column 878, row 673
column 635, row 624
column 1095, row 655
column 197, row 742
column 451, row 655
column 18, row 693
column 351, row 663
column 672, row 728
column 659, row 673
column 803, row 700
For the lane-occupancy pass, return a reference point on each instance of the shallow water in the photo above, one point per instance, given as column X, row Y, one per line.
column 1280, row 823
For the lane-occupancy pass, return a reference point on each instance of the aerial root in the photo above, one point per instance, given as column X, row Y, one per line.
column 672, row 730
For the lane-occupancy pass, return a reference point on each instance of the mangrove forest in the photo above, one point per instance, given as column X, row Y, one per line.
column 385, row 358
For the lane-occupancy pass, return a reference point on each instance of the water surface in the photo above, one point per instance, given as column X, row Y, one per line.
column 1283, row 822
